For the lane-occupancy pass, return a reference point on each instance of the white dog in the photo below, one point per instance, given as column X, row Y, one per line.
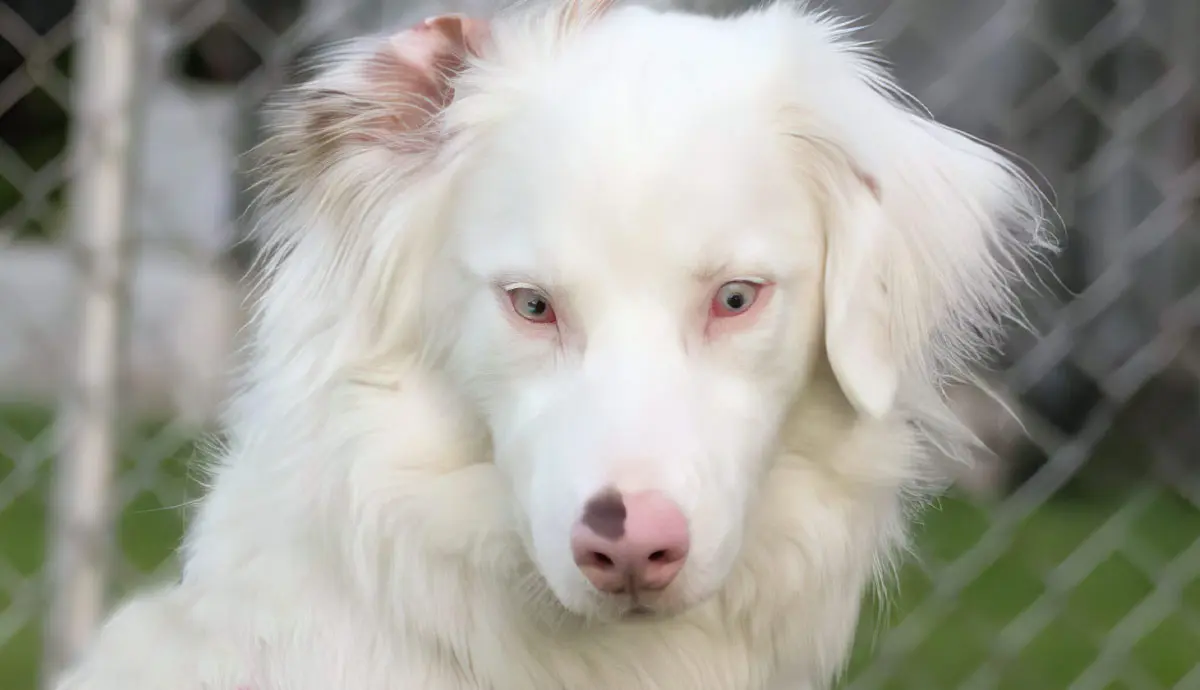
column 597, row 350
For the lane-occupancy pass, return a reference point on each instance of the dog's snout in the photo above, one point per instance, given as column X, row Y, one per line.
column 630, row 543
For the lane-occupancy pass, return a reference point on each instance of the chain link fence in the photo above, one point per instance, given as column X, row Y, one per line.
column 1069, row 558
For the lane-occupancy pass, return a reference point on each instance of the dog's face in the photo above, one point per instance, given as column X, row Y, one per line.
column 636, row 305
column 624, row 240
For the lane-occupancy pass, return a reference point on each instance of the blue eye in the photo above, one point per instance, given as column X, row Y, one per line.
column 734, row 298
column 531, row 304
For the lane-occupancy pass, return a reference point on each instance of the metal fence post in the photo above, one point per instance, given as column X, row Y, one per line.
column 105, row 113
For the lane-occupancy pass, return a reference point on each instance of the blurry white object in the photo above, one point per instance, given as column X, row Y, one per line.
column 185, row 316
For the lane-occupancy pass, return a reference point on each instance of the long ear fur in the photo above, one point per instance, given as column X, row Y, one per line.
column 350, row 178
column 928, row 230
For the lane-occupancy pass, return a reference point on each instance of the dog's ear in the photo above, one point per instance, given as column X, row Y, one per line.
column 384, row 92
column 350, row 180
column 925, row 240
column 857, row 319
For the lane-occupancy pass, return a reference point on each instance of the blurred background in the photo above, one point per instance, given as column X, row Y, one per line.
column 1069, row 557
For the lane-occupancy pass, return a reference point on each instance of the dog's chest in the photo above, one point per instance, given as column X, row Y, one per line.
column 688, row 653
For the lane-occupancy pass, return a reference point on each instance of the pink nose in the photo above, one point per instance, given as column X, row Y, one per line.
column 630, row 543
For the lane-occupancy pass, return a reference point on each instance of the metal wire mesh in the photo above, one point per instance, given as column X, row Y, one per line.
column 1069, row 559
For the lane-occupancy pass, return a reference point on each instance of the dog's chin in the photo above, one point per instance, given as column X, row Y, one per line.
column 596, row 607
column 606, row 609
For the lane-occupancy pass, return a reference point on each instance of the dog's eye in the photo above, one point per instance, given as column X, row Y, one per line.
column 734, row 298
column 531, row 305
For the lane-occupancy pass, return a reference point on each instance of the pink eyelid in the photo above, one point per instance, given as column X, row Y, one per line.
column 721, row 324
column 535, row 329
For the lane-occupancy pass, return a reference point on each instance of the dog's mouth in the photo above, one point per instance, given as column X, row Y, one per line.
column 639, row 611
column 627, row 608
column 634, row 609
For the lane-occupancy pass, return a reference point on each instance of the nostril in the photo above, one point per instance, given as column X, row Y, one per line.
column 605, row 571
column 658, row 556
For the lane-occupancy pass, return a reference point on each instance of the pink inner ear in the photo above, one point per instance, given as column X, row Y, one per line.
column 414, row 75
column 470, row 34
column 446, row 36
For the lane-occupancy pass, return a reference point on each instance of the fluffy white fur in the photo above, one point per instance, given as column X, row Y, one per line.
column 407, row 457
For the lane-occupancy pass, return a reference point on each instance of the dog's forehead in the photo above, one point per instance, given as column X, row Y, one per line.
column 581, row 196
column 640, row 150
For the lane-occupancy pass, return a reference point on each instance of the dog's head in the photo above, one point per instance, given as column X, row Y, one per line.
column 631, row 242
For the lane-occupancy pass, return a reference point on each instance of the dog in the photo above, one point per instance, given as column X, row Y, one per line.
column 597, row 346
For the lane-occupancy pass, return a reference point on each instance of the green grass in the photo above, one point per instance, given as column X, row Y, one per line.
column 961, row 635
column 1064, row 627
column 148, row 530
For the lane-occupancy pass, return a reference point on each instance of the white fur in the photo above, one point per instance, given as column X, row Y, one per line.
column 393, row 507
